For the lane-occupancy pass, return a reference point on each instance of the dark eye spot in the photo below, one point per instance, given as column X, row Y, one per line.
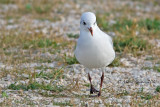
column 84, row 23
column 94, row 23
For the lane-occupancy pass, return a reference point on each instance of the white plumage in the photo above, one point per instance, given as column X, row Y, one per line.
column 94, row 48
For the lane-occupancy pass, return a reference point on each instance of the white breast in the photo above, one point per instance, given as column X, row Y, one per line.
column 96, row 51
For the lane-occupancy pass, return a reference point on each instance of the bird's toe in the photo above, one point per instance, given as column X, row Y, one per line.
column 93, row 90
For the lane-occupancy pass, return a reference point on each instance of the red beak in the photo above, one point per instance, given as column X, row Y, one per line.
column 91, row 30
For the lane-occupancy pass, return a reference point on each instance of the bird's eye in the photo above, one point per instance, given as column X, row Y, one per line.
column 94, row 23
column 84, row 23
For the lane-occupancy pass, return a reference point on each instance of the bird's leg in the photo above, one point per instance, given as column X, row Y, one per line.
column 92, row 89
column 102, row 78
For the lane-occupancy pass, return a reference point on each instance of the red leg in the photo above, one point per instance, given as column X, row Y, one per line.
column 92, row 89
column 102, row 78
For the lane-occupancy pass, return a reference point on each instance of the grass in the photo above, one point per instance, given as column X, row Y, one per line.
column 130, row 44
column 157, row 68
column 143, row 95
column 158, row 88
column 6, row 1
column 123, row 24
column 146, row 96
column 62, row 103
column 32, row 84
column 36, row 8
column 116, row 62
column 33, row 44
column 73, row 35
column 26, row 46
column 150, row 58
column 43, row 68
column 87, row 85
column 51, row 75
column 36, row 85
column 123, row 93
column 71, row 60
column 41, row 9
column 127, row 40
column 4, row 94
column 150, row 24
column 41, row 43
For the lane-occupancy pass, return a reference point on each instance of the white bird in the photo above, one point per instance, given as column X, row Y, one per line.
column 94, row 47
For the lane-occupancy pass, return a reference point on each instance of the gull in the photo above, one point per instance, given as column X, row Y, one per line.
column 94, row 48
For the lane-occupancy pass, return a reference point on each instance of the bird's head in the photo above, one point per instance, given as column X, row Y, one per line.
column 88, row 22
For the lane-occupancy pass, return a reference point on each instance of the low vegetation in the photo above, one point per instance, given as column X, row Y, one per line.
column 158, row 89
column 56, row 74
column 129, row 33
column 36, row 85
column 116, row 62
column 70, row 35
column 63, row 104
column 31, row 59
column 71, row 60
